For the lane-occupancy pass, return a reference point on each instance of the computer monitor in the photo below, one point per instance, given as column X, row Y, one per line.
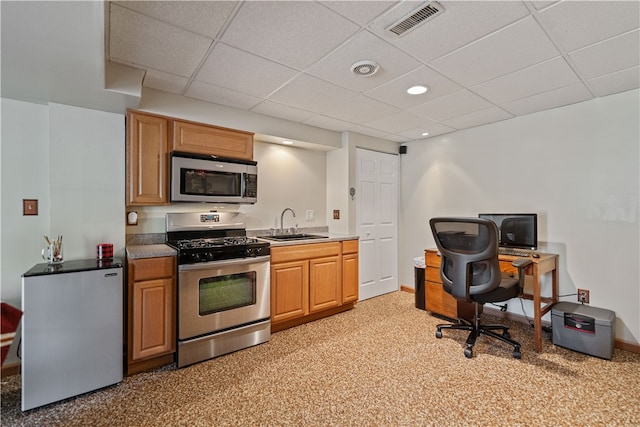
column 517, row 230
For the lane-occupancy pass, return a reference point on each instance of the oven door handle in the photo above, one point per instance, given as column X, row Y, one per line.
column 225, row 263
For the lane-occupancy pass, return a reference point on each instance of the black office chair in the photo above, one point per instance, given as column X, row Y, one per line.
column 470, row 272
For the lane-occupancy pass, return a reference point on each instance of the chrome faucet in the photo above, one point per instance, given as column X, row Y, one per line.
column 282, row 218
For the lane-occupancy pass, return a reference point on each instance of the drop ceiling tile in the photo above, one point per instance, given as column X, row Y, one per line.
column 538, row 78
column 478, row 118
column 618, row 53
column 336, row 67
column 148, row 43
column 319, row 96
column 220, row 95
column 512, row 48
column 449, row 106
column 396, row 138
column 461, row 23
column 165, row 81
column 362, row 11
column 234, row 69
column 282, row 111
column 539, row 5
column 616, row 82
column 544, row 101
column 395, row 92
column 364, row 130
column 576, row 24
column 433, row 128
column 361, row 109
column 202, row 17
column 396, row 123
column 290, row 37
column 328, row 123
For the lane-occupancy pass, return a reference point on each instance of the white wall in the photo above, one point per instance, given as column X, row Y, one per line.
column 576, row 166
column 72, row 160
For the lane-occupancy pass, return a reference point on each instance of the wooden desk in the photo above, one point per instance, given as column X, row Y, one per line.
column 441, row 303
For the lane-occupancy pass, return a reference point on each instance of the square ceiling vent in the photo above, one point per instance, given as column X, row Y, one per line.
column 416, row 18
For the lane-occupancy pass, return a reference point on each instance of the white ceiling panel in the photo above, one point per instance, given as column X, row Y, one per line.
column 615, row 54
column 234, row 69
column 202, row 17
column 144, row 42
column 616, row 82
column 296, row 33
column 538, row 78
column 282, row 111
column 456, row 104
column 361, row 109
column 510, row 49
column 361, row 12
column 328, row 123
column 433, row 129
column 461, row 23
column 478, row 118
column 336, row 67
column 547, row 100
column 576, row 24
column 319, row 95
column 165, row 81
column 291, row 59
column 221, row 95
column 397, row 123
column 395, row 92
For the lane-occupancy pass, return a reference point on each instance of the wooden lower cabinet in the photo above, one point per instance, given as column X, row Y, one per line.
column 350, row 265
column 151, row 334
column 311, row 281
column 437, row 300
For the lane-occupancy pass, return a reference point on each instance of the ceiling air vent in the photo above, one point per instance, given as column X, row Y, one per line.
column 422, row 15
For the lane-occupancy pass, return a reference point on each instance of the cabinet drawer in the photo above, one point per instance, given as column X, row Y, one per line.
column 298, row 252
column 432, row 274
column 153, row 268
column 440, row 302
column 350, row 247
column 432, row 259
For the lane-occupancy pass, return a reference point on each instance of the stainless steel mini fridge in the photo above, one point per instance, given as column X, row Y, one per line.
column 71, row 330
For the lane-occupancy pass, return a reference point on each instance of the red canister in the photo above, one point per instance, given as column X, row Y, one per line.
column 104, row 251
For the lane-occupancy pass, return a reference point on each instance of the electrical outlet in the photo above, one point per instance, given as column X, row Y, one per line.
column 583, row 296
column 311, row 215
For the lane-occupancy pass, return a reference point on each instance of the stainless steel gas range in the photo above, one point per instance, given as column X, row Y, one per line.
column 223, row 285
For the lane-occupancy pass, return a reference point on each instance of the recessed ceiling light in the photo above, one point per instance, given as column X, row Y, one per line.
column 425, row 133
column 417, row 90
column 287, row 142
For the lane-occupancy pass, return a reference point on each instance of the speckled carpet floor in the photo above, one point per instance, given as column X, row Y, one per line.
column 377, row 365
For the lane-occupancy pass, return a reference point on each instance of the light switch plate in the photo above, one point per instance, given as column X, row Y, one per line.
column 29, row 206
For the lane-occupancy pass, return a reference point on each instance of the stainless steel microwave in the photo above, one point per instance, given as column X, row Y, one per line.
column 211, row 179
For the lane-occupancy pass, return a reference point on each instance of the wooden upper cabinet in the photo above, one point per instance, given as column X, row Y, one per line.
column 147, row 160
column 205, row 139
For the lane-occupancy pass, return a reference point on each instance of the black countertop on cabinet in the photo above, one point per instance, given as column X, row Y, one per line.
column 72, row 266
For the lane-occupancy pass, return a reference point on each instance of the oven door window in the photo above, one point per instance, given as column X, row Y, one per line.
column 227, row 292
column 210, row 183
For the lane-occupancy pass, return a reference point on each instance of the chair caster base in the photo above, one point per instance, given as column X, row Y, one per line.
column 468, row 352
column 438, row 334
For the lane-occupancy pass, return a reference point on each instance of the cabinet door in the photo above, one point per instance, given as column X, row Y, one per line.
column 349, row 278
column 289, row 290
column 203, row 139
column 147, row 162
column 325, row 283
column 153, row 331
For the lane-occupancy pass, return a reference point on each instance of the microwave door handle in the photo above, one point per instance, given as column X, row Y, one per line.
column 243, row 184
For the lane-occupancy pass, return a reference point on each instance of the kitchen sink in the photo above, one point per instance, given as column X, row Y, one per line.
column 287, row 237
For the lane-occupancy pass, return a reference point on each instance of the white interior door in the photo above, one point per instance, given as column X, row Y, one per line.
column 377, row 221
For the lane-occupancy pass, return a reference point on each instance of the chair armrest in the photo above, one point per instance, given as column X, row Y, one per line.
column 521, row 262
